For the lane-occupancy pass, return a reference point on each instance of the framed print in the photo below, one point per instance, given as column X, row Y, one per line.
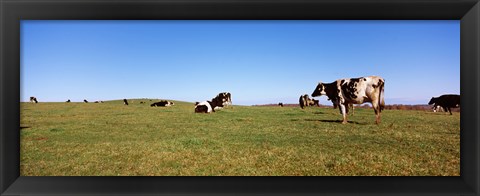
column 107, row 97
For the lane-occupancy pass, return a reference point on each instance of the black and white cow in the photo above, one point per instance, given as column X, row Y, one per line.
column 33, row 100
column 226, row 98
column 446, row 102
column 125, row 102
column 305, row 101
column 209, row 106
column 85, row 101
column 301, row 101
column 162, row 104
column 313, row 102
column 354, row 91
column 68, row 101
column 280, row 104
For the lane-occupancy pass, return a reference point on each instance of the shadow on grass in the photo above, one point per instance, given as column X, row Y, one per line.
column 336, row 121
column 24, row 127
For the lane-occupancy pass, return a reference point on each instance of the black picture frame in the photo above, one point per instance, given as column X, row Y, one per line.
column 12, row 11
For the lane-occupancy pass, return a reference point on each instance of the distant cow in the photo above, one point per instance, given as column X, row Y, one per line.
column 313, row 102
column 85, row 101
column 280, row 104
column 68, row 101
column 354, row 91
column 305, row 101
column 162, row 104
column 209, row 106
column 33, row 100
column 125, row 102
column 446, row 102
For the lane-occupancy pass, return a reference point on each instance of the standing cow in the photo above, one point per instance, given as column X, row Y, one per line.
column 446, row 102
column 354, row 91
column 125, row 102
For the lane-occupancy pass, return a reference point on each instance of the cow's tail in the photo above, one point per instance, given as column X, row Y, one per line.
column 381, row 94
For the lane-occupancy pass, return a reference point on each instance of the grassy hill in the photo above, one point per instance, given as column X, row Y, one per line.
column 65, row 139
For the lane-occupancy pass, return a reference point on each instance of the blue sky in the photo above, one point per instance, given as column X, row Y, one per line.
column 259, row 62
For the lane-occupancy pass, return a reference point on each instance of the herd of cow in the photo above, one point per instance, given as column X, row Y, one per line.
column 343, row 93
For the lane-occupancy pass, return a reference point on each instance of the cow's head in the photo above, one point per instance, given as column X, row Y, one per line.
column 319, row 90
column 223, row 98
column 432, row 101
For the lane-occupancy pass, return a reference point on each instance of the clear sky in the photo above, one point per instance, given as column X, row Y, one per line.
column 259, row 62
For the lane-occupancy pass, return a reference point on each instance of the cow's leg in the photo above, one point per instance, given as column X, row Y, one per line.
column 449, row 110
column 350, row 106
column 445, row 109
column 343, row 110
column 376, row 108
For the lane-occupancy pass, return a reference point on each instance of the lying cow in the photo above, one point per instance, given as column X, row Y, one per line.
column 68, row 101
column 85, row 101
column 280, row 104
column 226, row 98
column 313, row 102
column 209, row 106
column 162, row 104
column 33, row 100
column 354, row 91
column 446, row 102
column 306, row 101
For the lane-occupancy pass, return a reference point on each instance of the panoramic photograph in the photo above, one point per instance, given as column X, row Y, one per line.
column 240, row 98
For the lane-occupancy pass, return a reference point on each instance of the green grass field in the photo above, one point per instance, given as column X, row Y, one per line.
column 111, row 139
